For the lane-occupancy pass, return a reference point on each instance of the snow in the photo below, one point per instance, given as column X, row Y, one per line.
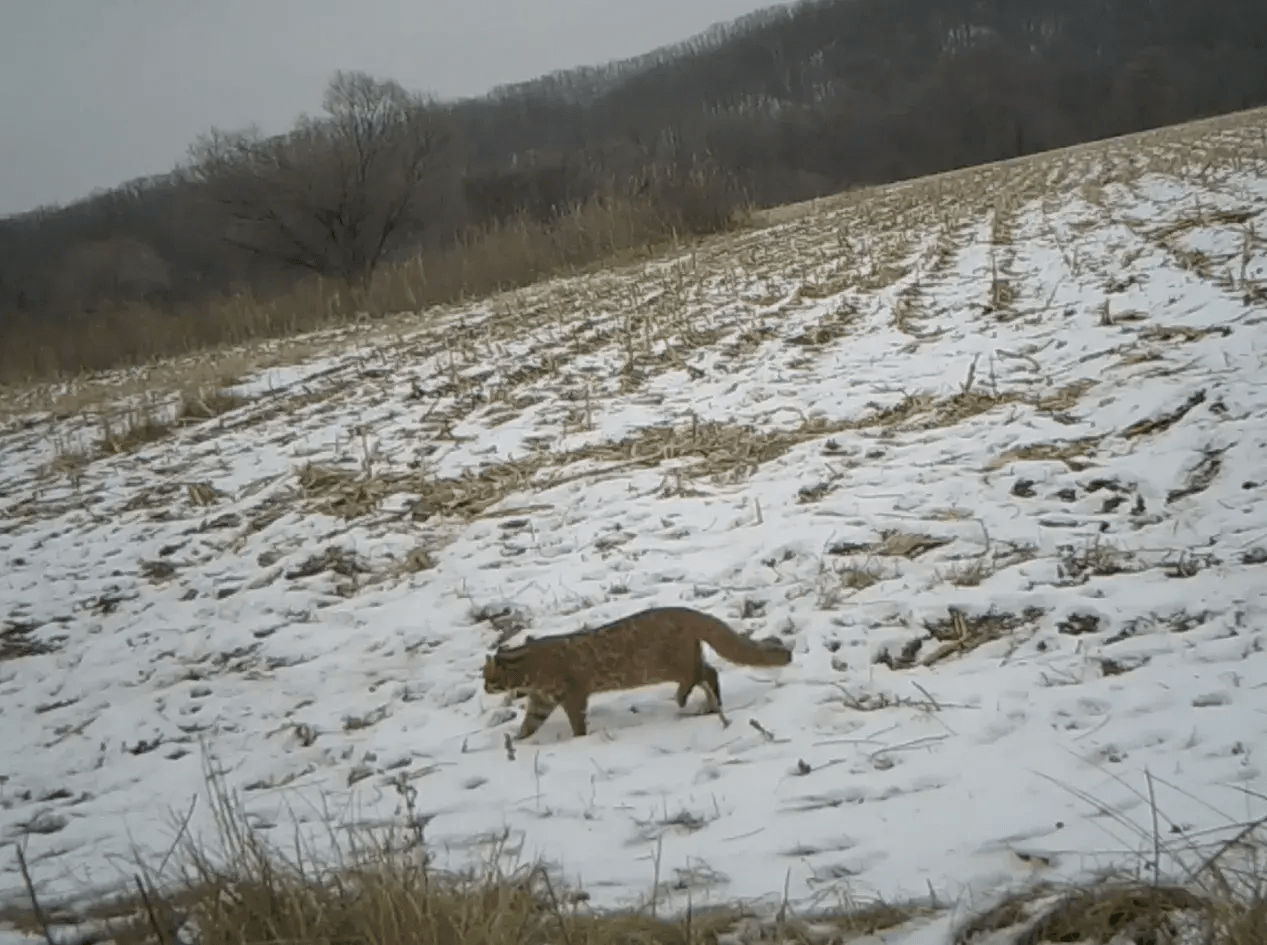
column 1130, row 678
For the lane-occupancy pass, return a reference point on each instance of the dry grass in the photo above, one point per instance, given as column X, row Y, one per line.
column 1184, row 333
column 659, row 308
column 67, row 461
column 1116, row 911
column 1070, row 452
column 342, row 493
column 833, row 326
column 1064, row 398
column 131, row 429
column 205, row 404
column 203, row 371
column 1165, row 420
column 502, row 256
column 18, row 639
column 838, row 581
column 1096, row 559
column 892, row 544
column 417, row 558
column 720, row 451
column 969, row 573
column 957, row 633
column 380, row 889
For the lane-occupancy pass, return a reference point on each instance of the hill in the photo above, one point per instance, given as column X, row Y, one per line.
column 261, row 237
column 985, row 449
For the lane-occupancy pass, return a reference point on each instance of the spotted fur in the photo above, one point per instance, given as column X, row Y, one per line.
column 652, row 646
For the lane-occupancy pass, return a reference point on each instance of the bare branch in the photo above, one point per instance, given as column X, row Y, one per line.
column 333, row 194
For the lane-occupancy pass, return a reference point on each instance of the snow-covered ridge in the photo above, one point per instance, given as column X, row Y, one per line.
column 986, row 449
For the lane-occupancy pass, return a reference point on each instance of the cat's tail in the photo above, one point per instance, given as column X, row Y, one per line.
column 728, row 644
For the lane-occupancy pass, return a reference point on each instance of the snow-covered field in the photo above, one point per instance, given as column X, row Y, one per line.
column 988, row 450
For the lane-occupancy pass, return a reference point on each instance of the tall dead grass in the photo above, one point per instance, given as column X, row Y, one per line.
column 499, row 257
column 379, row 888
column 373, row 888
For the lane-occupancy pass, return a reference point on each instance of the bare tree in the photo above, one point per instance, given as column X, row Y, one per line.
column 796, row 101
column 333, row 195
column 99, row 273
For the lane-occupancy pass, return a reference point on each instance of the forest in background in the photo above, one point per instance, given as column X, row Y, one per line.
column 257, row 235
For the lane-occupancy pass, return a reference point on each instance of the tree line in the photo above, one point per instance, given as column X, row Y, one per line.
column 784, row 104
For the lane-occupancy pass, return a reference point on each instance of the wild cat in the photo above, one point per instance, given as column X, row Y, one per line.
column 652, row 646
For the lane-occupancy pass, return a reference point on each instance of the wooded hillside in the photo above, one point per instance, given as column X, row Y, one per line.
column 785, row 104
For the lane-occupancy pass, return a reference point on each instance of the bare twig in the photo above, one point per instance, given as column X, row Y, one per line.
column 1152, row 806
column 149, row 910
column 655, row 876
column 558, row 912
column 972, row 373
column 927, row 695
column 40, row 917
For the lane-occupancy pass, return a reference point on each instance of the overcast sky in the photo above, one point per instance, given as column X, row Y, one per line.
column 96, row 92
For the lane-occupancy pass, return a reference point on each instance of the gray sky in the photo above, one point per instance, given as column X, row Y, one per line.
column 96, row 92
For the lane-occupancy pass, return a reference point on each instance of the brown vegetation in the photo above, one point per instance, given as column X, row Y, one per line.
column 502, row 256
column 380, row 888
